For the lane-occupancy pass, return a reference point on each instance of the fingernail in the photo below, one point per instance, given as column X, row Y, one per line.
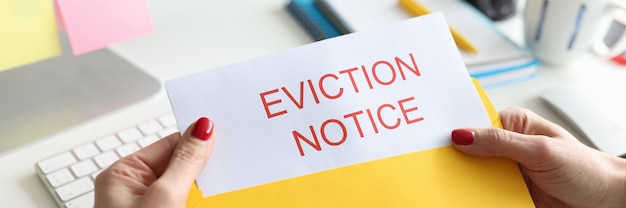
column 462, row 136
column 202, row 129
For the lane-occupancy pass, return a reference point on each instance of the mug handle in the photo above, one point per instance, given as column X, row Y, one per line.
column 618, row 13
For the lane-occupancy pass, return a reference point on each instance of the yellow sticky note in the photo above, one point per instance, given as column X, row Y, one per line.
column 29, row 32
column 439, row 177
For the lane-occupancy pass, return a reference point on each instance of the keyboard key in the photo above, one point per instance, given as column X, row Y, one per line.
column 84, row 168
column 108, row 143
column 167, row 132
column 84, row 201
column 144, row 142
column 129, row 135
column 56, row 162
column 168, row 120
column 74, row 189
column 86, row 151
column 150, row 127
column 127, row 149
column 60, row 177
column 105, row 159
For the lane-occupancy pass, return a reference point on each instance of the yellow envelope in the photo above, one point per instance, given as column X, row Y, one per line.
column 439, row 177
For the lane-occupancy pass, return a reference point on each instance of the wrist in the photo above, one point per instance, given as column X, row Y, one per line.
column 622, row 182
column 618, row 188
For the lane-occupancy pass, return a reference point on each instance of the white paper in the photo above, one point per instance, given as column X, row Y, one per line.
column 252, row 149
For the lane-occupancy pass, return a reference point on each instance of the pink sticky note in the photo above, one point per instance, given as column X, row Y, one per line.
column 95, row 24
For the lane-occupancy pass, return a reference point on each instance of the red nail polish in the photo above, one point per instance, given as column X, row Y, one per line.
column 462, row 136
column 202, row 129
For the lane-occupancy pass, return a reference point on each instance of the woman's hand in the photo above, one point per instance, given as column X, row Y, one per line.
column 558, row 169
column 159, row 175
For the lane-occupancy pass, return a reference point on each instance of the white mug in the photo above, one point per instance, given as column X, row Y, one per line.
column 559, row 32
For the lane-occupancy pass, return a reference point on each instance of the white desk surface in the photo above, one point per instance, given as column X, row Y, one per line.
column 193, row 35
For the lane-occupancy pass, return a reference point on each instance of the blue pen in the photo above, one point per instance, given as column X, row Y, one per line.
column 579, row 19
column 541, row 19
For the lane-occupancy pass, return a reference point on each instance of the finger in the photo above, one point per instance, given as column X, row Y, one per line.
column 529, row 150
column 146, row 164
column 524, row 121
column 157, row 155
column 190, row 156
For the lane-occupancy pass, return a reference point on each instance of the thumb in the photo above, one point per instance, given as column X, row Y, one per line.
column 190, row 156
column 528, row 150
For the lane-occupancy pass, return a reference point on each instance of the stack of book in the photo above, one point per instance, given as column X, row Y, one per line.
column 499, row 60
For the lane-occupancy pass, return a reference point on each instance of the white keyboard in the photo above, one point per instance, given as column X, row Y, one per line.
column 69, row 175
